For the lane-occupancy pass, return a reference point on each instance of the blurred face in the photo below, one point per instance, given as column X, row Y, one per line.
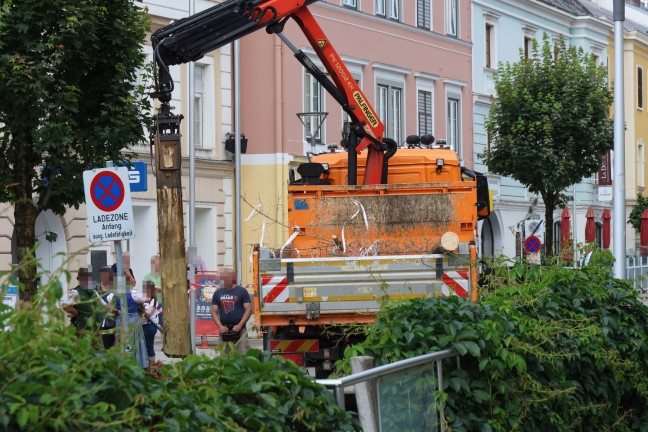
column 228, row 277
column 84, row 279
column 155, row 264
column 105, row 277
column 126, row 260
column 149, row 289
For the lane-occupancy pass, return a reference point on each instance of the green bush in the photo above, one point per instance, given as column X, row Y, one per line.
column 50, row 380
column 551, row 349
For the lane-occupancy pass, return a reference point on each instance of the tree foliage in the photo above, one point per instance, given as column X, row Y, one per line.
column 634, row 218
column 70, row 101
column 51, row 380
column 549, row 125
column 550, row 349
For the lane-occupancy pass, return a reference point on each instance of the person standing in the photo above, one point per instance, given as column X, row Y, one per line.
column 150, row 319
column 231, row 308
column 105, row 290
column 135, row 341
column 154, row 276
column 83, row 304
column 128, row 271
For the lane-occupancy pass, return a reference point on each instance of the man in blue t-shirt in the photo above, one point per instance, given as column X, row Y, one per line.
column 231, row 308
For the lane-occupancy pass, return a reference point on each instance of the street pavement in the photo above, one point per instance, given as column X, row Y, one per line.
column 212, row 342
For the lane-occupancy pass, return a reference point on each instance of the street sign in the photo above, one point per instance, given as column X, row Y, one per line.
column 108, row 203
column 137, row 177
column 532, row 244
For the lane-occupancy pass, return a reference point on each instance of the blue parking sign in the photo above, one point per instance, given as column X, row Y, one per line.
column 137, row 178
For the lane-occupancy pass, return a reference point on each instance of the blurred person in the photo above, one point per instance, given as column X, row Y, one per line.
column 149, row 318
column 106, row 292
column 154, row 276
column 135, row 341
column 231, row 308
column 130, row 276
column 83, row 304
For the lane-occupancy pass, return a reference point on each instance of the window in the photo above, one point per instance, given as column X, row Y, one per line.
column 641, row 163
column 312, row 103
column 557, row 242
column 389, row 8
column 350, row 3
column 452, row 17
column 199, row 104
column 423, row 14
column 527, row 47
column 453, row 138
column 639, row 87
column 425, row 113
column 390, row 110
column 489, row 42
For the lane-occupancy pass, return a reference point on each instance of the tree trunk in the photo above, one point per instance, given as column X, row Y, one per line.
column 173, row 265
column 550, row 206
column 25, row 213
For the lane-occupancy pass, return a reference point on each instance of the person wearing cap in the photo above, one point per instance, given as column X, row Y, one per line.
column 83, row 304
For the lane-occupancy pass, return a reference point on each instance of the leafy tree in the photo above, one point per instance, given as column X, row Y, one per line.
column 550, row 123
column 70, row 100
column 634, row 218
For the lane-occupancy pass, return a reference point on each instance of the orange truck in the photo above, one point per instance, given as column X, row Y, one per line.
column 375, row 222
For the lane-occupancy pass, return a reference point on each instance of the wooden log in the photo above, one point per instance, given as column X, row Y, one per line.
column 447, row 243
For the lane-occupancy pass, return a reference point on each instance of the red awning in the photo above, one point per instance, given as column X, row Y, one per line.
column 590, row 226
column 644, row 233
column 606, row 216
column 564, row 226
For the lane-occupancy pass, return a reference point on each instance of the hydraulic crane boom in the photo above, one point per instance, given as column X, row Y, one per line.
column 191, row 38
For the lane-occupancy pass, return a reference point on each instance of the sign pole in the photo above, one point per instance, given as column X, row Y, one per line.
column 619, row 145
column 120, row 280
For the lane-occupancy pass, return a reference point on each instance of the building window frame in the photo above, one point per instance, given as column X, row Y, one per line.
column 390, row 99
column 640, row 87
column 390, row 9
column 313, row 101
column 425, row 119
column 452, row 18
column 204, row 105
column 424, row 14
column 352, row 4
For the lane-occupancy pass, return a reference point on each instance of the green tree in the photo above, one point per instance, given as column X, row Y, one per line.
column 69, row 101
column 550, row 125
column 634, row 218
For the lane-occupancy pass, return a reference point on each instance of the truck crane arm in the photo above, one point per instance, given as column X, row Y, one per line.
column 191, row 38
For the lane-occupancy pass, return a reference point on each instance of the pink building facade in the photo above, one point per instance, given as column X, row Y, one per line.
column 412, row 60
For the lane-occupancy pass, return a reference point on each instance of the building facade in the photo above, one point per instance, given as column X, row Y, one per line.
column 412, row 61
column 503, row 31
column 214, row 177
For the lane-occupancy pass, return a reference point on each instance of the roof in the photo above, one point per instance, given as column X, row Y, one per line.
column 604, row 14
column 571, row 6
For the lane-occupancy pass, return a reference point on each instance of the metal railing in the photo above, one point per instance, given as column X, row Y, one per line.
column 338, row 385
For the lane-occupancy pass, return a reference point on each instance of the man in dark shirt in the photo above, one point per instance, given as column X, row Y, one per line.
column 231, row 308
column 83, row 304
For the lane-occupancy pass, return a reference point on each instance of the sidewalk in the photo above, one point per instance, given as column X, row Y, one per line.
column 255, row 342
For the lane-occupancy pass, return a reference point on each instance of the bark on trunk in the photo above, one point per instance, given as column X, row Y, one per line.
column 173, row 270
column 25, row 213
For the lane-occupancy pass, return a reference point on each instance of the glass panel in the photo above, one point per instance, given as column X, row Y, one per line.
column 396, row 114
column 406, row 401
column 453, row 125
column 380, row 7
column 199, row 71
column 451, row 17
column 394, row 9
column 382, row 103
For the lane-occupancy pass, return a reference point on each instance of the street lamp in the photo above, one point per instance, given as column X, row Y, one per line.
column 307, row 119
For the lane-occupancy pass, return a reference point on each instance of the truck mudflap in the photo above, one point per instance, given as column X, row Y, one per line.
column 341, row 290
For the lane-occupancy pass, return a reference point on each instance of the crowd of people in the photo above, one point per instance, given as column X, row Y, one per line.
column 97, row 308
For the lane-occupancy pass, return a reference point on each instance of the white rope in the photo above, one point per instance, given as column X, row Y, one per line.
column 254, row 210
column 292, row 237
column 364, row 217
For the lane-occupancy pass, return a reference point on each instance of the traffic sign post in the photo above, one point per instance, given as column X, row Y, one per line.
column 108, row 203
